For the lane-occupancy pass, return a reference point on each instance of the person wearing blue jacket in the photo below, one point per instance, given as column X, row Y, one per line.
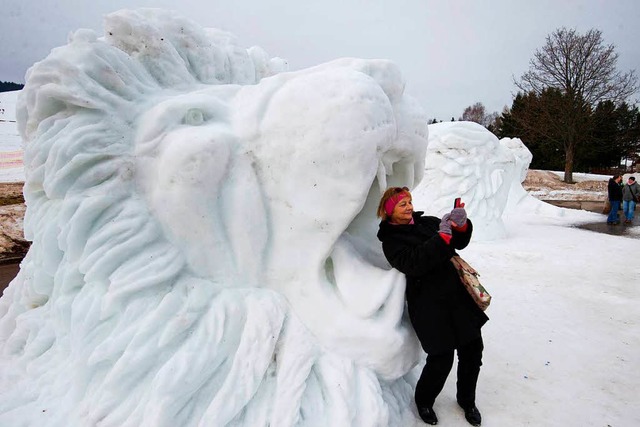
column 614, row 193
column 630, row 195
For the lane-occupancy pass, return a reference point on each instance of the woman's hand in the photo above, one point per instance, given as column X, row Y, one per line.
column 445, row 225
column 458, row 217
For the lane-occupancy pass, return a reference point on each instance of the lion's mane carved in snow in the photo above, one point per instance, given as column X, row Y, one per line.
column 203, row 236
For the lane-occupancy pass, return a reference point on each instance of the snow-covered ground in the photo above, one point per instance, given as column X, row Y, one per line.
column 563, row 344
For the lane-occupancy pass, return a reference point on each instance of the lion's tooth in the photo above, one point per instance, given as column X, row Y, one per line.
column 382, row 176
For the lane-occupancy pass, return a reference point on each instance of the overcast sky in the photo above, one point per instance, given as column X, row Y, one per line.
column 452, row 53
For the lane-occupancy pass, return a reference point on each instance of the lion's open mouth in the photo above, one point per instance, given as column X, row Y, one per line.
column 357, row 268
column 370, row 292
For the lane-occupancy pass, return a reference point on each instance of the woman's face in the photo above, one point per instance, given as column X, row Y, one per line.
column 402, row 212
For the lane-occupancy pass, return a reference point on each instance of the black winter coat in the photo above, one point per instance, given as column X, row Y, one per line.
column 441, row 310
column 614, row 191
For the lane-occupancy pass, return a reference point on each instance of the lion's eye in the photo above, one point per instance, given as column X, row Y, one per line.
column 194, row 117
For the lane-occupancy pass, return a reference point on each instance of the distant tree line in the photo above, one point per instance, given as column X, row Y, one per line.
column 10, row 86
column 608, row 134
column 435, row 121
column 605, row 134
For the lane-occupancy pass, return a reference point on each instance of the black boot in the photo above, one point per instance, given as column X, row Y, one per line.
column 428, row 415
column 472, row 415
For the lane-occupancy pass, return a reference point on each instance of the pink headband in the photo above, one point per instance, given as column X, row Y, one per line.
column 393, row 201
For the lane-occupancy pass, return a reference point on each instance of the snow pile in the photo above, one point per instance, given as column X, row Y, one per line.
column 548, row 185
column 11, row 165
column 204, row 244
column 13, row 246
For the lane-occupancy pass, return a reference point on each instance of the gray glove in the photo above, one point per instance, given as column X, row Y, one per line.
column 458, row 216
column 445, row 225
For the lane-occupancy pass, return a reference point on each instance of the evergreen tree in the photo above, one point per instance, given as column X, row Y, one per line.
column 602, row 150
column 540, row 121
column 608, row 133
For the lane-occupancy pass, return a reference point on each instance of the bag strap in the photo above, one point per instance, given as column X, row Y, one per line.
column 461, row 264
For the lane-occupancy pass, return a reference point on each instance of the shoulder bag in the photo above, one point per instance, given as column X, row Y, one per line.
column 635, row 197
column 469, row 277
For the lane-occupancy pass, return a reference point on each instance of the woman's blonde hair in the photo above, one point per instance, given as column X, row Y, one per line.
column 389, row 193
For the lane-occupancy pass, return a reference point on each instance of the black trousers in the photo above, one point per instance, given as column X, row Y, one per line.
column 437, row 368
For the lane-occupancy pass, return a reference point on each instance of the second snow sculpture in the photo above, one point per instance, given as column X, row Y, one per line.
column 204, row 236
column 523, row 159
column 465, row 160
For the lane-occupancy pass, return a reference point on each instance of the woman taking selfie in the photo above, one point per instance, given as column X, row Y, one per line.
column 441, row 310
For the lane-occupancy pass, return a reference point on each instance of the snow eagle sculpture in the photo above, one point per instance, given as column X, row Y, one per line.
column 466, row 160
column 523, row 158
column 204, row 236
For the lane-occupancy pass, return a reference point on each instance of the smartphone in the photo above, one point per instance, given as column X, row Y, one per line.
column 456, row 202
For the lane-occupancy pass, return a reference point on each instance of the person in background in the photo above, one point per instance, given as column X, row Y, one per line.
column 614, row 193
column 442, row 312
column 630, row 195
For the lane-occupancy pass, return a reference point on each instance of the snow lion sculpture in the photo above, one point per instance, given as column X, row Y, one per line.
column 204, row 236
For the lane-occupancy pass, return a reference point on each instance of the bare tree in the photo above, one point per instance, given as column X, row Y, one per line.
column 474, row 113
column 583, row 69
column 477, row 113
